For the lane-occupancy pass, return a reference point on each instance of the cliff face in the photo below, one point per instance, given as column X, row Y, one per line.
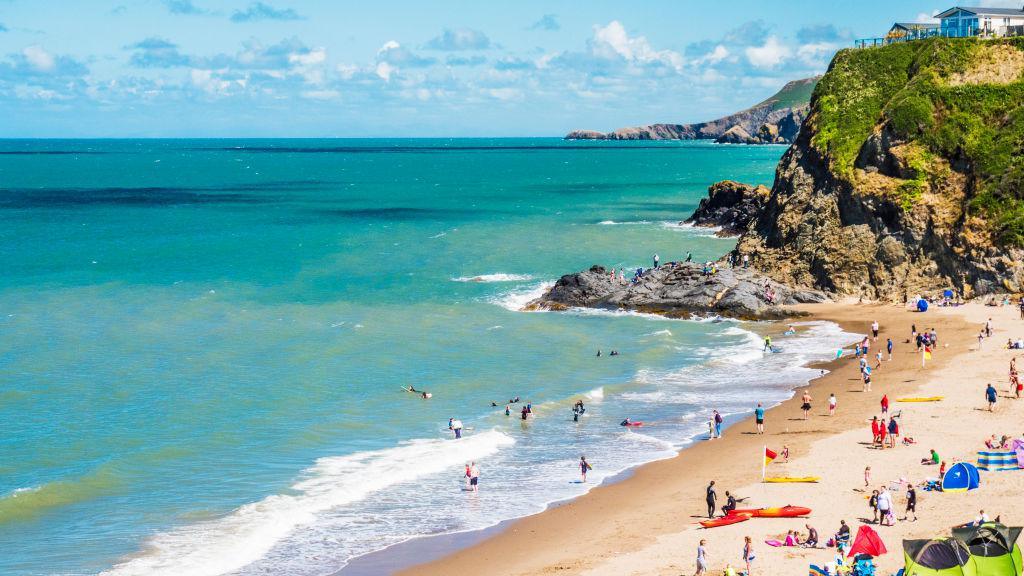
column 730, row 206
column 908, row 175
column 774, row 121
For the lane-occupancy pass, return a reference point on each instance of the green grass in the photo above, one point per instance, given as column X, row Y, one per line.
column 793, row 94
column 905, row 88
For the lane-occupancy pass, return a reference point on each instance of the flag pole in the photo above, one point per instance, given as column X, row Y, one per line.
column 764, row 461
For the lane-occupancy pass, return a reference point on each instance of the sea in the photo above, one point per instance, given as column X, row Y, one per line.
column 204, row 343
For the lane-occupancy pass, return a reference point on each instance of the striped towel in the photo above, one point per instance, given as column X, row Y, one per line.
column 998, row 461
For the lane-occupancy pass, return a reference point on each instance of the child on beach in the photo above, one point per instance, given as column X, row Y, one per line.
column 702, row 559
column 832, row 404
column 785, row 453
column 584, row 468
column 878, row 359
column 748, row 553
column 867, row 476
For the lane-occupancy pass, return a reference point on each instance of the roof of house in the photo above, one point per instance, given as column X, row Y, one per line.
column 981, row 11
column 916, row 25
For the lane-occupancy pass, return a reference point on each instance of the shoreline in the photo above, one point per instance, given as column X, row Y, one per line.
column 660, row 498
column 403, row 557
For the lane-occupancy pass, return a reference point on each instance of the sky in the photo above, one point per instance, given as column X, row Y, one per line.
column 305, row 68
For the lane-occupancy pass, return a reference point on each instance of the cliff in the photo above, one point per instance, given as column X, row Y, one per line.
column 907, row 177
column 730, row 206
column 776, row 120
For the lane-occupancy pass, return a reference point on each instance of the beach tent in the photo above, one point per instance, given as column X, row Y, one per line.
column 922, row 305
column 867, row 542
column 961, row 477
column 993, row 547
column 937, row 557
column 948, row 293
column 998, row 460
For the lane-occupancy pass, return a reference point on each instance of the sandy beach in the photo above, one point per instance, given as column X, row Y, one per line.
column 647, row 524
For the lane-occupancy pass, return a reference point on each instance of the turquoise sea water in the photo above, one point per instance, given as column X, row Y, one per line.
column 203, row 342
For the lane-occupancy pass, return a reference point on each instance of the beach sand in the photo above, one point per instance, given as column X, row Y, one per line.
column 647, row 524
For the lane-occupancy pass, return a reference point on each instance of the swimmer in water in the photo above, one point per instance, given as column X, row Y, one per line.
column 625, row 422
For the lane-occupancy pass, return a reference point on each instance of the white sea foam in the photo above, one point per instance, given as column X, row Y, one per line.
column 245, row 535
column 700, row 231
column 629, row 223
column 596, row 395
column 517, row 298
column 483, row 278
column 665, row 332
column 632, row 434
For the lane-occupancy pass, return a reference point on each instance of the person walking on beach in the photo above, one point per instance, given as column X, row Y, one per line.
column 894, row 431
column 873, row 504
column 702, row 559
column 888, row 347
column 867, row 476
column 911, row 502
column 988, row 328
column 712, row 499
column 456, row 426
column 885, row 512
column 806, row 406
column 474, row 477
column 990, row 395
column 759, row 418
column 874, row 330
column 718, row 424
column 748, row 553
column 832, row 404
column 584, row 468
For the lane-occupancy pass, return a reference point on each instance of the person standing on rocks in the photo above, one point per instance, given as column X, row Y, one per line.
column 746, row 261
column 657, row 261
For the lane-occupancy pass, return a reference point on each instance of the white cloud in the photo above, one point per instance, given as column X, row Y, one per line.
column 816, row 54
column 769, row 55
column 612, row 41
column 714, row 57
column 321, row 94
column 926, row 18
column 384, row 71
column 39, row 58
column 209, row 81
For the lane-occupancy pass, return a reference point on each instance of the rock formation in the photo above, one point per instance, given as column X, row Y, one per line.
column 907, row 178
column 681, row 290
column 730, row 206
column 773, row 121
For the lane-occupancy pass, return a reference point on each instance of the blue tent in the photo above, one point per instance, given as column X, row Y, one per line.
column 960, row 477
column 922, row 305
column 948, row 293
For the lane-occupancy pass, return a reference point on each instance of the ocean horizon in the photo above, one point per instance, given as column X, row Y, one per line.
column 207, row 341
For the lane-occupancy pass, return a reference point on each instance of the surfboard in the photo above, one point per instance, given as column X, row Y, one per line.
column 922, row 399
column 784, row 479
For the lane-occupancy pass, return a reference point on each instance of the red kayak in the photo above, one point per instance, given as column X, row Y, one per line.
column 634, row 424
column 784, row 512
column 732, row 518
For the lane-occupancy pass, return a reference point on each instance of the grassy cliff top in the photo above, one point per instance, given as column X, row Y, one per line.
column 954, row 105
column 795, row 93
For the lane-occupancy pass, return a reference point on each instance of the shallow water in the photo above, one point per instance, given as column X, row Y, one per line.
column 204, row 341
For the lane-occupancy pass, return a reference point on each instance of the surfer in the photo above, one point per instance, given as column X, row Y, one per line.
column 767, row 344
column 626, row 422
column 598, row 353
column 584, row 468
column 426, row 395
column 614, row 353
column 711, row 497
column 411, row 389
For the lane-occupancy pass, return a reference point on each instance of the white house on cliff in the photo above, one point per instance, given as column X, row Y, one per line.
column 962, row 22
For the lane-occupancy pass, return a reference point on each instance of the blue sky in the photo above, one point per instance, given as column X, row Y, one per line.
column 208, row 68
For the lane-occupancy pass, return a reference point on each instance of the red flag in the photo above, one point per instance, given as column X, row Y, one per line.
column 769, row 456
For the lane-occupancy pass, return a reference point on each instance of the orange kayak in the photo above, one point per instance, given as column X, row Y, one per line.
column 783, row 512
column 732, row 518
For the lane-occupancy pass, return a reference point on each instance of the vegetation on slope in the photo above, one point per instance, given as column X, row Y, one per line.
column 958, row 102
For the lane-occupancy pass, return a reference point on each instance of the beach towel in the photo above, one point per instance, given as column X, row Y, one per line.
column 774, row 543
column 1018, row 447
column 815, row 571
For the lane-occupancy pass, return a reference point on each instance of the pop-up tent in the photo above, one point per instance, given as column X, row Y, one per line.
column 961, row 477
column 986, row 550
column 993, row 547
column 938, row 557
column 922, row 305
column 867, row 542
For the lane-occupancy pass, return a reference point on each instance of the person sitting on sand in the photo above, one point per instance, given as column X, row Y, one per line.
column 812, row 537
column 791, row 539
column 931, row 460
column 730, row 503
column 842, row 537
column 991, row 443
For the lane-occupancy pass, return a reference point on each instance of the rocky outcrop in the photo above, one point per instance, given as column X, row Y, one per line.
column 773, row 121
column 898, row 184
column 679, row 290
column 730, row 206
